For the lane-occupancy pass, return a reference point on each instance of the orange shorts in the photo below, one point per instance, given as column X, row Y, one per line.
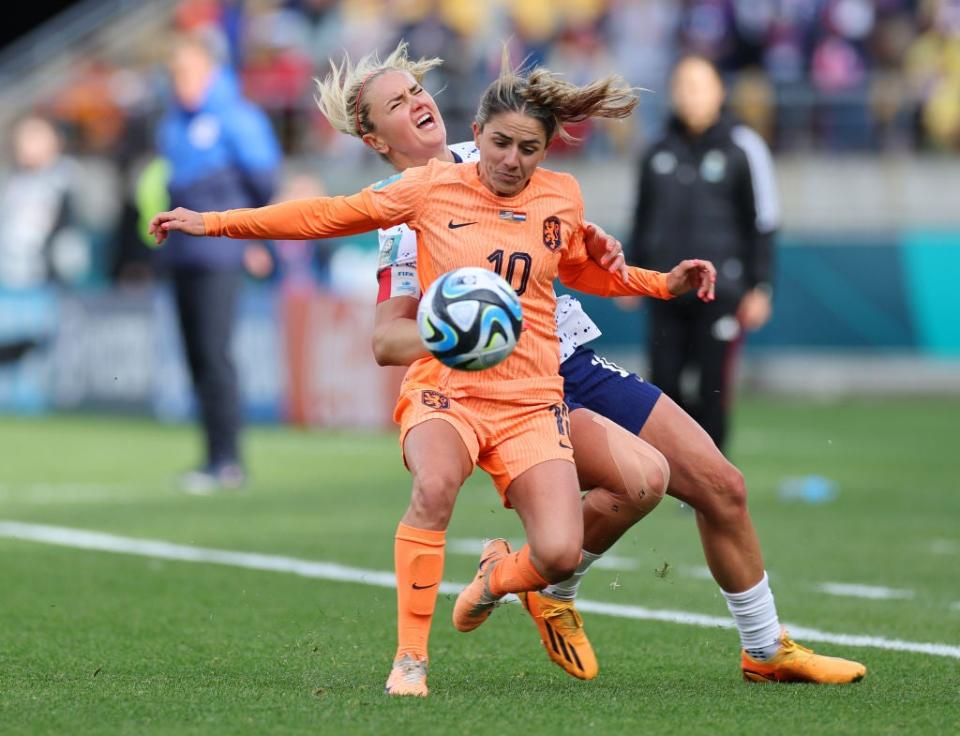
column 503, row 438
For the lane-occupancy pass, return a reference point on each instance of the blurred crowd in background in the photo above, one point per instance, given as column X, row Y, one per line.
column 832, row 76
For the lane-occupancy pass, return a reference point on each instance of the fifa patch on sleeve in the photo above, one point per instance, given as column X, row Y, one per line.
column 388, row 249
column 398, row 280
column 397, row 245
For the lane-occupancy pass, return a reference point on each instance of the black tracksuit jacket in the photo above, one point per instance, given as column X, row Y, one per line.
column 712, row 197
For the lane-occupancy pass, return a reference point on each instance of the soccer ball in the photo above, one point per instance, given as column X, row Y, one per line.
column 470, row 319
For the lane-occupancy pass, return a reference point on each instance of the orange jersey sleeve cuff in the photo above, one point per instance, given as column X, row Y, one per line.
column 648, row 283
column 212, row 224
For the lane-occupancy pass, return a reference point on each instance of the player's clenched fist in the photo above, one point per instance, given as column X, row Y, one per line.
column 181, row 218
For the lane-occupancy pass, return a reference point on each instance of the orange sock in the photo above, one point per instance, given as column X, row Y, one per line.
column 515, row 573
column 418, row 557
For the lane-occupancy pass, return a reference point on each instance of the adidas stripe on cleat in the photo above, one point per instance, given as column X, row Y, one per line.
column 562, row 634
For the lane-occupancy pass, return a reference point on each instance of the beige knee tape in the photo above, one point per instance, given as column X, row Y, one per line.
column 608, row 504
column 632, row 459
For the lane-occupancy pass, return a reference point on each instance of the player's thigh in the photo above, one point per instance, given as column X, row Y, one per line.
column 608, row 456
column 437, row 447
column 699, row 473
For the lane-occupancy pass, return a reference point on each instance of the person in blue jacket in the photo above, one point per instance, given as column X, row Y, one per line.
column 223, row 154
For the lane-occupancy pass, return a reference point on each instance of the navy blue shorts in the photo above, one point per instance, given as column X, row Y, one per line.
column 595, row 383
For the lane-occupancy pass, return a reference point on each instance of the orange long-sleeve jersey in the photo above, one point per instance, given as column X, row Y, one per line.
column 530, row 239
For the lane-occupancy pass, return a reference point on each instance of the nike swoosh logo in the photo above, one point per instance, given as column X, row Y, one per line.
column 423, row 587
column 454, row 225
column 565, row 447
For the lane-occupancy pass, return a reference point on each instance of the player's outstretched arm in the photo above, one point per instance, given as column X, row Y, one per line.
column 581, row 273
column 297, row 219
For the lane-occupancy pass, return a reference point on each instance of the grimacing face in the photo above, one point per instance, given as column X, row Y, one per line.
column 698, row 94
column 511, row 146
column 408, row 128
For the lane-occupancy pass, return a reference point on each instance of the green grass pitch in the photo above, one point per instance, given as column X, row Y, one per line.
column 96, row 642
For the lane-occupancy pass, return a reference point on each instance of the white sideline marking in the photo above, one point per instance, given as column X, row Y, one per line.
column 99, row 541
column 612, row 562
column 873, row 592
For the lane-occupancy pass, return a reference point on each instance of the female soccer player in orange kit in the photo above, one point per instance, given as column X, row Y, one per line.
column 505, row 418
column 625, row 476
column 396, row 117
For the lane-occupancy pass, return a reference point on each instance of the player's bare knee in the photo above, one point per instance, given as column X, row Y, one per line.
column 655, row 486
column 733, row 487
column 727, row 499
column 647, row 481
column 556, row 562
column 560, row 570
column 433, row 496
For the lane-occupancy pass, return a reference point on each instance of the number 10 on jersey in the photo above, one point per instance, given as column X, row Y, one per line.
column 525, row 261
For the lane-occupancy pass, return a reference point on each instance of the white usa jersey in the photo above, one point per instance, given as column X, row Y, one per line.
column 397, row 274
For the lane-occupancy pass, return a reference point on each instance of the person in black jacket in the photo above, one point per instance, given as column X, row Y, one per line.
column 707, row 190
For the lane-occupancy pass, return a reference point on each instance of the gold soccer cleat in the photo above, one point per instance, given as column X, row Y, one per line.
column 795, row 663
column 562, row 634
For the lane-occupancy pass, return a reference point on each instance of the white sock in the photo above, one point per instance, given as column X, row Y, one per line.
column 755, row 614
column 566, row 590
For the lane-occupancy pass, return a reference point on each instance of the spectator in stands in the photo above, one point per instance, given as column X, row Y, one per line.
column 707, row 190
column 933, row 69
column 847, row 74
column 40, row 241
column 223, row 154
